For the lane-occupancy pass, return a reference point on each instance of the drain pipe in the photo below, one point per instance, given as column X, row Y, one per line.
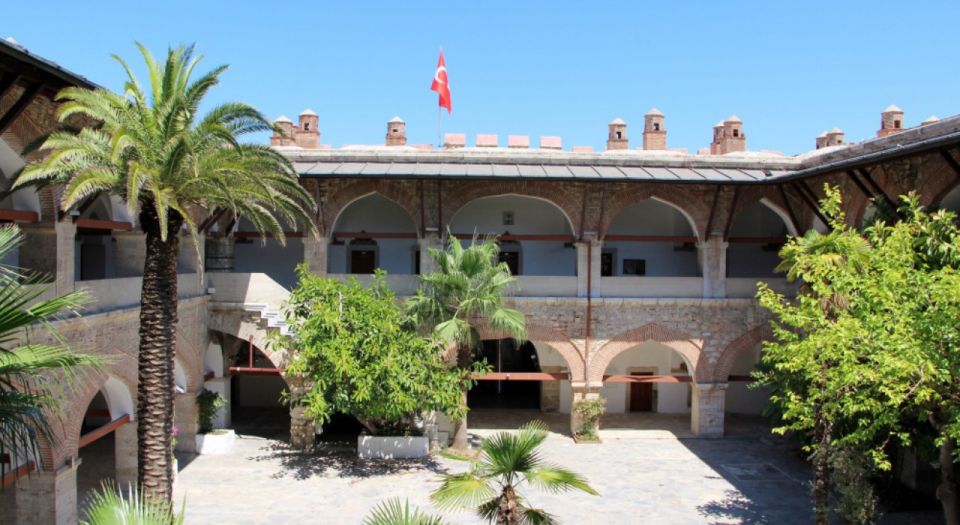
column 586, row 345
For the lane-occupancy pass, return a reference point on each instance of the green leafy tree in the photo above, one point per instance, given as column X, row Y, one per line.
column 393, row 512
column 360, row 355
column 466, row 289
column 27, row 395
column 171, row 165
column 855, row 353
column 507, row 462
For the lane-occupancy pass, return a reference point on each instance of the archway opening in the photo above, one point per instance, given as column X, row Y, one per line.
column 506, row 356
column 256, row 390
column 98, row 461
column 95, row 254
column 755, row 239
column 650, row 238
column 253, row 255
column 741, row 398
column 107, row 440
column 648, row 378
column 373, row 232
column 536, row 236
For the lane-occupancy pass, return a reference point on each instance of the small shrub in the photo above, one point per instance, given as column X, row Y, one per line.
column 111, row 506
column 208, row 402
column 588, row 412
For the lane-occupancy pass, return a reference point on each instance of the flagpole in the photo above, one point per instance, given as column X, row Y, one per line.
column 439, row 127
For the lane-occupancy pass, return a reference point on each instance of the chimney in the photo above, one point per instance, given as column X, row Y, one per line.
column 396, row 132
column 487, row 141
column 891, row 121
column 834, row 137
column 551, row 142
column 728, row 136
column 518, row 141
column 308, row 132
column 617, row 136
column 283, row 132
column 930, row 120
column 821, row 140
column 654, row 131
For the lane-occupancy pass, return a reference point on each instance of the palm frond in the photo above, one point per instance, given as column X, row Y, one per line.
column 395, row 512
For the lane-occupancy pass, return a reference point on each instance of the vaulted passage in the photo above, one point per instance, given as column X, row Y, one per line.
column 505, row 355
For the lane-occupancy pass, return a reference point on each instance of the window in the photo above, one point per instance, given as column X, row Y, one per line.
column 896, row 124
column 306, row 126
column 634, row 267
column 619, row 135
column 606, row 264
column 736, row 133
column 656, row 126
column 508, row 218
column 416, row 262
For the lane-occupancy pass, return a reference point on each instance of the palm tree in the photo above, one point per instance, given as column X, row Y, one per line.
column 26, row 399
column 169, row 165
column 506, row 462
column 110, row 506
column 393, row 512
column 466, row 289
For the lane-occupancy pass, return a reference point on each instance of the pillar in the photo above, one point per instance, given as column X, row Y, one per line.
column 131, row 253
column 303, row 430
column 125, row 454
column 582, row 391
column 550, row 390
column 707, row 409
column 219, row 254
column 713, row 264
column 185, row 419
column 66, row 265
column 315, row 254
column 589, row 249
column 48, row 497
column 220, row 385
column 430, row 240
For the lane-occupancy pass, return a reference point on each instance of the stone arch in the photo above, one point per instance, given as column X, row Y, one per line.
column 683, row 201
column 567, row 201
column 719, row 370
column 538, row 333
column 333, row 207
column 687, row 347
column 566, row 215
column 241, row 326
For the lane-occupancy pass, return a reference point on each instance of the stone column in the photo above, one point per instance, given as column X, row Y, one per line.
column 66, row 246
column 38, row 252
column 582, row 391
column 315, row 254
column 550, row 391
column 303, row 430
column 707, row 409
column 48, row 497
column 220, row 385
column 219, row 254
column 131, row 253
column 592, row 248
column 125, row 454
column 713, row 264
column 185, row 419
column 430, row 240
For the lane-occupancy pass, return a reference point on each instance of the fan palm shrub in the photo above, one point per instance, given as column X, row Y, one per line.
column 466, row 290
column 171, row 166
column 395, row 512
column 507, row 462
column 110, row 506
column 27, row 396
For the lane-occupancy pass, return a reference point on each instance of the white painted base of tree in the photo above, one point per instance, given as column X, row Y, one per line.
column 392, row 447
column 217, row 443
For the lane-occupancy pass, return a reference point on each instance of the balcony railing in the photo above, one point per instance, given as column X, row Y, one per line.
column 124, row 292
column 635, row 286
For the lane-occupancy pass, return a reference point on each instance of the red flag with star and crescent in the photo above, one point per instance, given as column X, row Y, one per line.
column 441, row 86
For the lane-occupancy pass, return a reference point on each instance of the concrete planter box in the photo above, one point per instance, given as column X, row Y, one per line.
column 219, row 442
column 393, row 447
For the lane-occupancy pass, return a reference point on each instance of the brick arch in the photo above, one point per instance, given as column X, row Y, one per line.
column 567, row 199
column 677, row 341
column 241, row 326
column 773, row 201
column 719, row 371
column 695, row 210
column 342, row 198
column 192, row 360
column 537, row 333
column 66, row 423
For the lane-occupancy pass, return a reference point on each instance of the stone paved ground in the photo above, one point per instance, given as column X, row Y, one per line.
column 644, row 472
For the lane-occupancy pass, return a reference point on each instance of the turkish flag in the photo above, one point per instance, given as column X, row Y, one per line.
column 441, row 86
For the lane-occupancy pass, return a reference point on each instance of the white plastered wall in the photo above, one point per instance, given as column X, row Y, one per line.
column 375, row 213
column 653, row 217
column 671, row 398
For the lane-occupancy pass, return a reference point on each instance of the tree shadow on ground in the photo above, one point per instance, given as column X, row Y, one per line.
column 338, row 461
column 733, row 508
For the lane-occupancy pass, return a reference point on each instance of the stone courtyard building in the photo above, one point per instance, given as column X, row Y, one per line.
column 636, row 267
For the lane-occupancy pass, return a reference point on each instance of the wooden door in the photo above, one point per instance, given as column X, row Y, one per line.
column 363, row 261
column 641, row 394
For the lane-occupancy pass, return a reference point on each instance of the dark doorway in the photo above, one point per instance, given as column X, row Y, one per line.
column 255, row 395
column 505, row 355
column 93, row 259
column 641, row 394
column 513, row 261
column 363, row 256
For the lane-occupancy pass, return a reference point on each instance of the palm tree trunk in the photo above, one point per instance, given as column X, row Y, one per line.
column 460, row 434
column 158, row 328
column 508, row 512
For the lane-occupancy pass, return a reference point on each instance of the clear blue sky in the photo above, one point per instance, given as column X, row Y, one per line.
column 539, row 68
